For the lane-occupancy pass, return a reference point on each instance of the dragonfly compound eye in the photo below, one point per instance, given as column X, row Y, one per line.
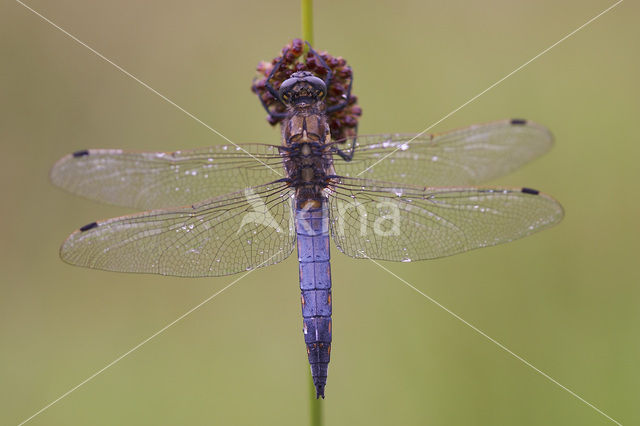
column 302, row 87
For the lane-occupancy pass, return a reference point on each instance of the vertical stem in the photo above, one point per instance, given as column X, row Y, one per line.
column 307, row 20
column 315, row 406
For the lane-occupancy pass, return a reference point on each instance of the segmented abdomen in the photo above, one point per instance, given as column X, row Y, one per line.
column 312, row 229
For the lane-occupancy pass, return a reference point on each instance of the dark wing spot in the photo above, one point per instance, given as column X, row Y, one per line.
column 81, row 153
column 530, row 191
column 518, row 121
column 89, row 226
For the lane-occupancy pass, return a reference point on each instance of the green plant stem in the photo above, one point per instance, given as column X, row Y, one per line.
column 315, row 406
column 307, row 21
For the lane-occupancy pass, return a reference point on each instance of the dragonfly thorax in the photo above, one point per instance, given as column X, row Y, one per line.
column 308, row 160
column 309, row 167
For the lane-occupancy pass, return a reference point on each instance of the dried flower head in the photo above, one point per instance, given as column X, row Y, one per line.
column 343, row 123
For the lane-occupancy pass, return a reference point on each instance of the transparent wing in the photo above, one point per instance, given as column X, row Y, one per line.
column 369, row 219
column 222, row 236
column 465, row 156
column 150, row 180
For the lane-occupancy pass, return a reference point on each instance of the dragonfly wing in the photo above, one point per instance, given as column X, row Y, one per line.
column 150, row 180
column 222, row 236
column 400, row 223
column 466, row 156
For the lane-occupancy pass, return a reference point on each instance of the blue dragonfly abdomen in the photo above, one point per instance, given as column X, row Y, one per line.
column 312, row 232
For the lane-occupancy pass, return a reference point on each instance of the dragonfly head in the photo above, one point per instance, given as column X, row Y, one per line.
column 302, row 88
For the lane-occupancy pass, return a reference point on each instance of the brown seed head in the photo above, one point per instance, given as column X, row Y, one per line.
column 343, row 122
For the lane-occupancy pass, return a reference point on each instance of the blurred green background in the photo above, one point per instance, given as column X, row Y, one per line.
column 567, row 299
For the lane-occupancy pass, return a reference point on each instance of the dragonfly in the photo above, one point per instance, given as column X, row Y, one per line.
column 227, row 209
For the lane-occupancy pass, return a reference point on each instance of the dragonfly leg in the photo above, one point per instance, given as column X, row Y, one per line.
column 327, row 79
column 273, row 72
column 275, row 116
column 327, row 82
column 347, row 155
column 343, row 104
